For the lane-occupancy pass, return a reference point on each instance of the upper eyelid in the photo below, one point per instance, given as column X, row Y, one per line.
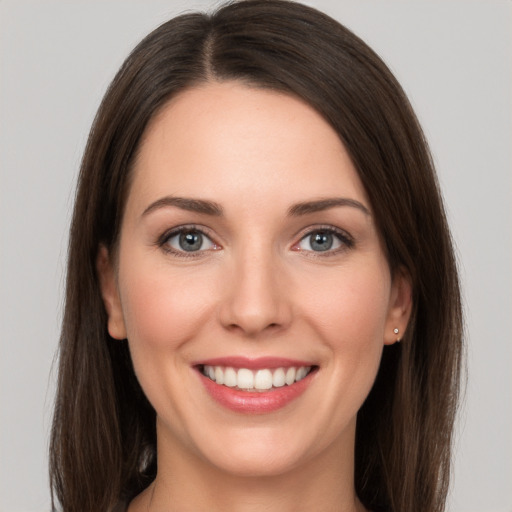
column 323, row 227
column 169, row 233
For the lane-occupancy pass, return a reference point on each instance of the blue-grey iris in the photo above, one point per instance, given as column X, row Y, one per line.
column 321, row 241
column 191, row 241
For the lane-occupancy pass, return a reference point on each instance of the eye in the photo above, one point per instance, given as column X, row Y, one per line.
column 324, row 240
column 188, row 240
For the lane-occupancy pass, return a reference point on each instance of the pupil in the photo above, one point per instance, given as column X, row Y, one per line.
column 191, row 241
column 321, row 241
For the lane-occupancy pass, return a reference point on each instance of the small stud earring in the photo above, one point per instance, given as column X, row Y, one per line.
column 395, row 330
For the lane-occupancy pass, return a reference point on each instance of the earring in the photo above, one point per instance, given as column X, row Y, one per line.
column 396, row 331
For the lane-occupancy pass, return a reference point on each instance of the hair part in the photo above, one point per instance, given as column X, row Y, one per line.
column 103, row 445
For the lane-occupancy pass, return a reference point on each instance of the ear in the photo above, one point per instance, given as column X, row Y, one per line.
column 110, row 294
column 400, row 307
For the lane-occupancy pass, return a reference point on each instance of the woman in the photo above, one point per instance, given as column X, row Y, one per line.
column 262, row 303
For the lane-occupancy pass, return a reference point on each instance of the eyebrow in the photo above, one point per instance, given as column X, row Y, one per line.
column 191, row 205
column 212, row 208
column 325, row 204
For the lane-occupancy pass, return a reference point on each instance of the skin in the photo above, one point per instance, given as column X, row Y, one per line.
column 257, row 289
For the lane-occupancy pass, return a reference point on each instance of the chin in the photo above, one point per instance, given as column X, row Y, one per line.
column 255, row 463
column 263, row 451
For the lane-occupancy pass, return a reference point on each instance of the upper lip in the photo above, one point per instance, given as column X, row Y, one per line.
column 253, row 363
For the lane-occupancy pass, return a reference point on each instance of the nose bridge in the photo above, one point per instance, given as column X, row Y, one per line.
column 256, row 298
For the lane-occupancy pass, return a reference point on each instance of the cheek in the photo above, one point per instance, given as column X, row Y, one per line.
column 162, row 308
column 349, row 318
column 348, row 309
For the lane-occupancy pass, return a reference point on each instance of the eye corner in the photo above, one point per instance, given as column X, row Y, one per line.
column 296, row 246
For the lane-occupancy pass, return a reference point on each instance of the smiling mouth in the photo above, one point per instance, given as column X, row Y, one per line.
column 264, row 379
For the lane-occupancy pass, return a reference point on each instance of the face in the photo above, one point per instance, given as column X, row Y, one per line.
column 251, row 282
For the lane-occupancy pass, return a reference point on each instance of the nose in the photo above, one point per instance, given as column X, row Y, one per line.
column 256, row 298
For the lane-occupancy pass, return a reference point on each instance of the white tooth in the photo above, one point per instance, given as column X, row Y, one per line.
column 230, row 377
column 290, row 376
column 219, row 375
column 301, row 373
column 245, row 379
column 263, row 379
column 278, row 379
column 210, row 371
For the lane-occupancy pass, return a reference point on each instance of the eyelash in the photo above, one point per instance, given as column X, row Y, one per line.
column 345, row 239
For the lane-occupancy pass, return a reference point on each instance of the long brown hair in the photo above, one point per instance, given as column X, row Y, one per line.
column 103, row 446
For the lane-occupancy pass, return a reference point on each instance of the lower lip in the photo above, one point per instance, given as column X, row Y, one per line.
column 255, row 402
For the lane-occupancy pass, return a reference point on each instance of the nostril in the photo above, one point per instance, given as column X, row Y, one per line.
column 254, row 330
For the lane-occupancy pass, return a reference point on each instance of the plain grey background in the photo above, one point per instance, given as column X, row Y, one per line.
column 454, row 59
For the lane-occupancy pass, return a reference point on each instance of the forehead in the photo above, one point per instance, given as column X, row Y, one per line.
column 228, row 140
